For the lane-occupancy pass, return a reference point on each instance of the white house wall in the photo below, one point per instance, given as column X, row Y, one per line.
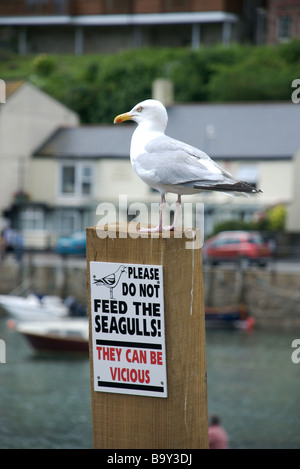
column 293, row 213
column 41, row 180
column 26, row 120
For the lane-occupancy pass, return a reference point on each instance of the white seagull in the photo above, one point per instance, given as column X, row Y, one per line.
column 169, row 165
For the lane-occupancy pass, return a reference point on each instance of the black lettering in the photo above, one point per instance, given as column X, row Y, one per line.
column 137, row 325
column 122, row 325
column 130, row 271
column 97, row 322
column 113, row 325
column 146, row 333
column 105, row 306
column 122, row 307
column 104, row 323
column 153, row 328
column 137, row 305
column 156, row 309
column 114, row 306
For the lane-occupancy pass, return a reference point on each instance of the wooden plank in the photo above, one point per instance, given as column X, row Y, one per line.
column 180, row 420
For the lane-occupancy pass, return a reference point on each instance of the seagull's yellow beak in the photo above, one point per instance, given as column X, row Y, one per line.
column 122, row 118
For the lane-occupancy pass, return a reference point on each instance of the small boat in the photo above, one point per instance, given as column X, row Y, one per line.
column 33, row 307
column 70, row 335
column 234, row 316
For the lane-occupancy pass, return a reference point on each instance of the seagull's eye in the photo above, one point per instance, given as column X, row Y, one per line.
column 139, row 109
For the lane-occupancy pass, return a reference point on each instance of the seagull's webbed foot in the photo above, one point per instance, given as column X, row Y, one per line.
column 157, row 229
column 169, row 228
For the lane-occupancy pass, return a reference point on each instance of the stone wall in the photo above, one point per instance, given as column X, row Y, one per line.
column 273, row 298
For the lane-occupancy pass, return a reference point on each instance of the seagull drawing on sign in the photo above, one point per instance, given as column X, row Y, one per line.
column 111, row 280
column 169, row 165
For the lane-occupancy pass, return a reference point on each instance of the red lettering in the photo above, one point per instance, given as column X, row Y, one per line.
column 109, row 353
column 130, row 375
column 155, row 358
column 134, row 356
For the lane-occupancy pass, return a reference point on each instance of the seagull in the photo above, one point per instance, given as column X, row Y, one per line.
column 111, row 280
column 169, row 165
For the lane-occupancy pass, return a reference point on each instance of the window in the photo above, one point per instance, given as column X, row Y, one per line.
column 284, row 29
column 32, row 219
column 86, row 180
column 68, row 180
column 68, row 221
column 118, row 6
column 176, row 5
column 248, row 173
column 76, row 180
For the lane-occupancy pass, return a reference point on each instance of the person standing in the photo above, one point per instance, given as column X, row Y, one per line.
column 217, row 435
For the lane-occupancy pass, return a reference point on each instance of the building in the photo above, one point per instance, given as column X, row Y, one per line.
column 283, row 20
column 27, row 118
column 77, row 168
column 103, row 26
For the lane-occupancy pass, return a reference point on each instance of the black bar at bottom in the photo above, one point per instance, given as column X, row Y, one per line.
column 131, row 386
column 128, row 344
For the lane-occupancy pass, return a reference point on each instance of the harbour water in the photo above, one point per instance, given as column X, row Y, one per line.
column 253, row 385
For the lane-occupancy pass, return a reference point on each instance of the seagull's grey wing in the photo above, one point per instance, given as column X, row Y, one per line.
column 169, row 162
column 171, row 168
column 165, row 143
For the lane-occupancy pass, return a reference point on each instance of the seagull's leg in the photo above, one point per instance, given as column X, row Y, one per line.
column 177, row 208
column 161, row 211
column 159, row 227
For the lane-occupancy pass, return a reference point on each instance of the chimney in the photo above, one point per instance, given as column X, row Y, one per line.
column 162, row 90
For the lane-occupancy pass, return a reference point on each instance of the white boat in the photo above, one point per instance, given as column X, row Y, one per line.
column 69, row 335
column 32, row 307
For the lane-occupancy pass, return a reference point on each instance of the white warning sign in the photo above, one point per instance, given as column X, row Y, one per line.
column 128, row 330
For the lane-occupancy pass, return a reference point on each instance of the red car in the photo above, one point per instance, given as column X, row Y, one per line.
column 235, row 245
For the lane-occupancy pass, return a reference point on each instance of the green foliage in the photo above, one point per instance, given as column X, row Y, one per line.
column 232, row 225
column 100, row 86
column 43, row 64
column 193, row 71
column 276, row 217
column 262, row 75
column 272, row 220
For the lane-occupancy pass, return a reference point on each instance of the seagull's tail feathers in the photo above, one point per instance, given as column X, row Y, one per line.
column 235, row 188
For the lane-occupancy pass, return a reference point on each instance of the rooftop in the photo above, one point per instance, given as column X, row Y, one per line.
column 225, row 131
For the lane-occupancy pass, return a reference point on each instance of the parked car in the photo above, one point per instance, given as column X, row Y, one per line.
column 74, row 244
column 235, row 245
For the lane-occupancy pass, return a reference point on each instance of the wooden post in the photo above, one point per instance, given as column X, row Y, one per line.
column 180, row 420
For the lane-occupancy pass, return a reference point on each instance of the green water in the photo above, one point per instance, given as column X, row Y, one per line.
column 255, row 387
column 252, row 384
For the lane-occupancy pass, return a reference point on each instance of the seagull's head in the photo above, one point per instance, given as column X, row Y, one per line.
column 150, row 113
